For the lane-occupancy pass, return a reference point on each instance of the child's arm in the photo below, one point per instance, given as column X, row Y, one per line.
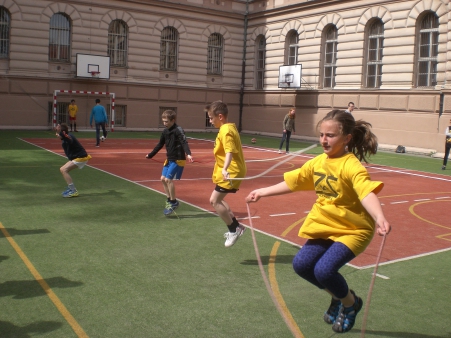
column 373, row 206
column 274, row 190
column 227, row 161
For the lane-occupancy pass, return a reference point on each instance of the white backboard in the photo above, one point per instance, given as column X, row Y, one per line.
column 88, row 64
column 290, row 76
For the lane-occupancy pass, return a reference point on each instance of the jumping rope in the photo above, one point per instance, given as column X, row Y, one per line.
column 370, row 290
column 260, row 264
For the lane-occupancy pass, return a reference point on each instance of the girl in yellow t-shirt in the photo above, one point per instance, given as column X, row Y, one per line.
column 343, row 219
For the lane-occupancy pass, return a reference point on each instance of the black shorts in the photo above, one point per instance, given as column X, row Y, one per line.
column 224, row 190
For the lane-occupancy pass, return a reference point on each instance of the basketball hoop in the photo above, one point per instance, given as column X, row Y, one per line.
column 95, row 74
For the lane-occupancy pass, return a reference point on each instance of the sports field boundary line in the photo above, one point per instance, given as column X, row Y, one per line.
column 47, row 289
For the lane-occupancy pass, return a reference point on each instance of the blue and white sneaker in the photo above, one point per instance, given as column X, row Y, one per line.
column 65, row 191
column 71, row 193
column 170, row 207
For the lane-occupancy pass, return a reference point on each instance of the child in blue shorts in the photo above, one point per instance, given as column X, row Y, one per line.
column 173, row 137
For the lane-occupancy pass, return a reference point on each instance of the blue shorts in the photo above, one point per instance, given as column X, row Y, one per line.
column 172, row 171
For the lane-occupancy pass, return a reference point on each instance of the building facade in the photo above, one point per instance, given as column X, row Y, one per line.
column 391, row 58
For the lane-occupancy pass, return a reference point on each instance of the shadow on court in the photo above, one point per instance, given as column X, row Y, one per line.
column 22, row 289
column 9, row 330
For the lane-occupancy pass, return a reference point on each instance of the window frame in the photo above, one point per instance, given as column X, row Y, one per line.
column 376, row 50
column 60, row 38
column 329, row 68
column 169, row 41
column 260, row 62
column 291, row 48
column 215, row 54
column 5, row 32
column 431, row 60
column 117, row 48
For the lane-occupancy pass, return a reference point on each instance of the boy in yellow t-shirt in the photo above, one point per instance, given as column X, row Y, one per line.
column 229, row 164
column 344, row 217
column 73, row 109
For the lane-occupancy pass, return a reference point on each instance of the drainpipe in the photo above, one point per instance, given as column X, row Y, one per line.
column 243, row 67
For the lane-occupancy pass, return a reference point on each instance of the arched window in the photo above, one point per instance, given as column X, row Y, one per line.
column 330, row 56
column 59, row 38
column 375, row 45
column 168, row 49
column 427, row 51
column 261, row 56
column 215, row 54
column 291, row 44
column 118, row 43
column 5, row 26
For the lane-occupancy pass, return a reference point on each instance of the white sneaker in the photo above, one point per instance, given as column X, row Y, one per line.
column 280, row 151
column 232, row 237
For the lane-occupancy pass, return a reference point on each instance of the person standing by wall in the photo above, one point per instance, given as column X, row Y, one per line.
column 73, row 109
column 351, row 107
column 447, row 145
column 288, row 127
column 98, row 112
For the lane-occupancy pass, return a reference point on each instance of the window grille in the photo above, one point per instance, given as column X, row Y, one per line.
column 59, row 38
column 427, row 51
column 62, row 112
column 118, row 43
column 261, row 55
column 374, row 55
column 119, row 114
column 215, row 54
column 168, row 49
column 161, row 111
column 330, row 57
column 5, row 26
column 292, row 48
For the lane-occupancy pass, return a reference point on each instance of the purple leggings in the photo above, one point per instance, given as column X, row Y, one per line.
column 318, row 262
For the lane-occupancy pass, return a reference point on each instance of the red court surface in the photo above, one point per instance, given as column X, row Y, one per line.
column 413, row 202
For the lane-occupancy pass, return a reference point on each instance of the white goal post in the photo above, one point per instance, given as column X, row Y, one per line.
column 55, row 96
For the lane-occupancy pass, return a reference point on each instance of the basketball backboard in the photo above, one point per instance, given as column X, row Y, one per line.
column 290, row 76
column 93, row 66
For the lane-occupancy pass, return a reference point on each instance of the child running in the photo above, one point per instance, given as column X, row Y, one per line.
column 343, row 219
column 173, row 137
column 76, row 154
column 229, row 164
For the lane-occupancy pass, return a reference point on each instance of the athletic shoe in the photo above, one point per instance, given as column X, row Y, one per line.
column 346, row 317
column 444, row 167
column 65, row 191
column 170, row 207
column 332, row 312
column 280, row 151
column 71, row 193
column 232, row 237
column 287, row 152
column 243, row 229
column 97, row 146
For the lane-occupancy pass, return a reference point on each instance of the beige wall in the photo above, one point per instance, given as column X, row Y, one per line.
column 399, row 112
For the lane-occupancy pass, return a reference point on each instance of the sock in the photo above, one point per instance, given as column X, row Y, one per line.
column 232, row 227
column 71, row 127
column 169, row 200
column 173, row 201
column 72, row 187
column 75, row 126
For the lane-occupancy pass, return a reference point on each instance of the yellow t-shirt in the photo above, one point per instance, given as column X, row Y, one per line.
column 228, row 141
column 73, row 109
column 338, row 214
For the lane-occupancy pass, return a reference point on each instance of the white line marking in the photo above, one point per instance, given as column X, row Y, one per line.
column 439, row 198
column 423, row 199
column 240, row 218
column 399, row 202
column 288, row 213
column 382, row 276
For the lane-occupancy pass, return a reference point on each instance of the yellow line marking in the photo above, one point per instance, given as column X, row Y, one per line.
column 275, row 288
column 427, row 221
column 53, row 297
column 415, row 194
